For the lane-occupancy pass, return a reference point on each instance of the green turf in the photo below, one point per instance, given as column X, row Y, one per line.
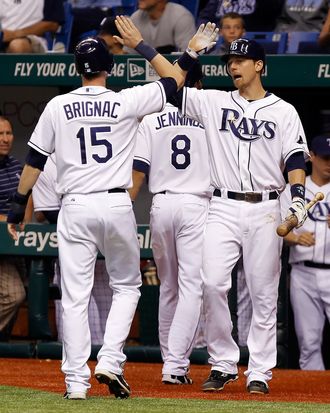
column 17, row 399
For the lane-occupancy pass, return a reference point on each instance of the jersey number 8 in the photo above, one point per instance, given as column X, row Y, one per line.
column 180, row 152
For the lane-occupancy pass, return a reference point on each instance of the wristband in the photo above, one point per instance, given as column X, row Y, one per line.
column 146, row 51
column 186, row 62
column 192, row 53
column 17, row 208
column 297, row 191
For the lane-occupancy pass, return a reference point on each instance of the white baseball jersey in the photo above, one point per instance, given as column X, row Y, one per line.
column 95, row 131
column 315, row 223
column 43, row 192
column 246, row 138
column 175, row 149
column 310, row 285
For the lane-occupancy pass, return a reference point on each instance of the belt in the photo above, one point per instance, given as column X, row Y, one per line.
column 316, row 265
column 247, row 196
column 114, row 190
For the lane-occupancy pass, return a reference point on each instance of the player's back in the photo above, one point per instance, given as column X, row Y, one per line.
column 176, row 150
column 93, row 130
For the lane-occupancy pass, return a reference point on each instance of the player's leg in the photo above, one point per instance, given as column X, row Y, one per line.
column 190, row 219
column 324, row 290
column 244, row 306
column 119, row 244
column 308, row 314
column 261, row 261
column 77, row 254
column 58, row 304
column 165, row 256
column 100, row 302
column 221, row 251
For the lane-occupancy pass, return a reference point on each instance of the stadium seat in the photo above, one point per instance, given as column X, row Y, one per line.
column 59, row 41
column 191, row 5
column 273, row 43
column 303, row 42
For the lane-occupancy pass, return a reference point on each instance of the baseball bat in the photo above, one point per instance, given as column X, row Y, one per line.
column 292, row 221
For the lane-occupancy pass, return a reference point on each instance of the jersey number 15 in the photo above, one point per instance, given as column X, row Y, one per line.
column 95, row 141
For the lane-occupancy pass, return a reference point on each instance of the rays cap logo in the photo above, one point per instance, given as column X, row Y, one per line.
column 249, row 49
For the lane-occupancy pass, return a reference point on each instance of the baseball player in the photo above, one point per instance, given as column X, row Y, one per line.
column 310, row 260
column 171, row 151
column 92, row 131
column 47, row 205
column 252, row 136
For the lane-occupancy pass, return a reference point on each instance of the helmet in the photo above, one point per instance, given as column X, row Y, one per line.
column 92, row 56
column 194, row 74
column 250, row 49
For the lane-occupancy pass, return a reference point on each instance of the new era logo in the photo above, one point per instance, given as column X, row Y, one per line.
column 135, row 70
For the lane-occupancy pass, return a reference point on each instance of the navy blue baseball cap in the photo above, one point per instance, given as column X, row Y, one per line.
column 250, row 49
column 320, row 145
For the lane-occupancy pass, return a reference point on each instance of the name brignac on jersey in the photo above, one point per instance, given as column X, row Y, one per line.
column 246, row 129
column 98, row 108
column 174, row 119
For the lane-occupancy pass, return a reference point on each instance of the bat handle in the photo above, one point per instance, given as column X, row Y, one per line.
column 291, row 221
column 286, row 226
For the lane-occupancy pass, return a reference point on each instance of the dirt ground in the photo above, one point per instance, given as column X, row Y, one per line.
column 145, row 381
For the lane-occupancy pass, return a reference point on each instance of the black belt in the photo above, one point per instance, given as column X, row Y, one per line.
column 247, row 196
column 316, row 265
column 113, row 190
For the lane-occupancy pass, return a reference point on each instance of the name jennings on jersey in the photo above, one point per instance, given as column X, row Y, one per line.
column 82, row 109
column 174, row 118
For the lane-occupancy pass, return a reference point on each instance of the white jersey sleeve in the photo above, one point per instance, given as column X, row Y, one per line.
column 43, row 136
column 143, row 146
column 194, row 102
column 294, row 139
column 44, row 192
column 146, row 99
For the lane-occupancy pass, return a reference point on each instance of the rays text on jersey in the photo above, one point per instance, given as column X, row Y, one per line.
column 247, row 129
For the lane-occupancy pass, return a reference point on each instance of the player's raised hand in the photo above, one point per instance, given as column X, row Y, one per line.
column 204, row 39
column 130, row 35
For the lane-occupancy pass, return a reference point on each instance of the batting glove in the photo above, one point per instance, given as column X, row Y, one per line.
column 17, row 208
column 298, row 209
column 203, row 40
